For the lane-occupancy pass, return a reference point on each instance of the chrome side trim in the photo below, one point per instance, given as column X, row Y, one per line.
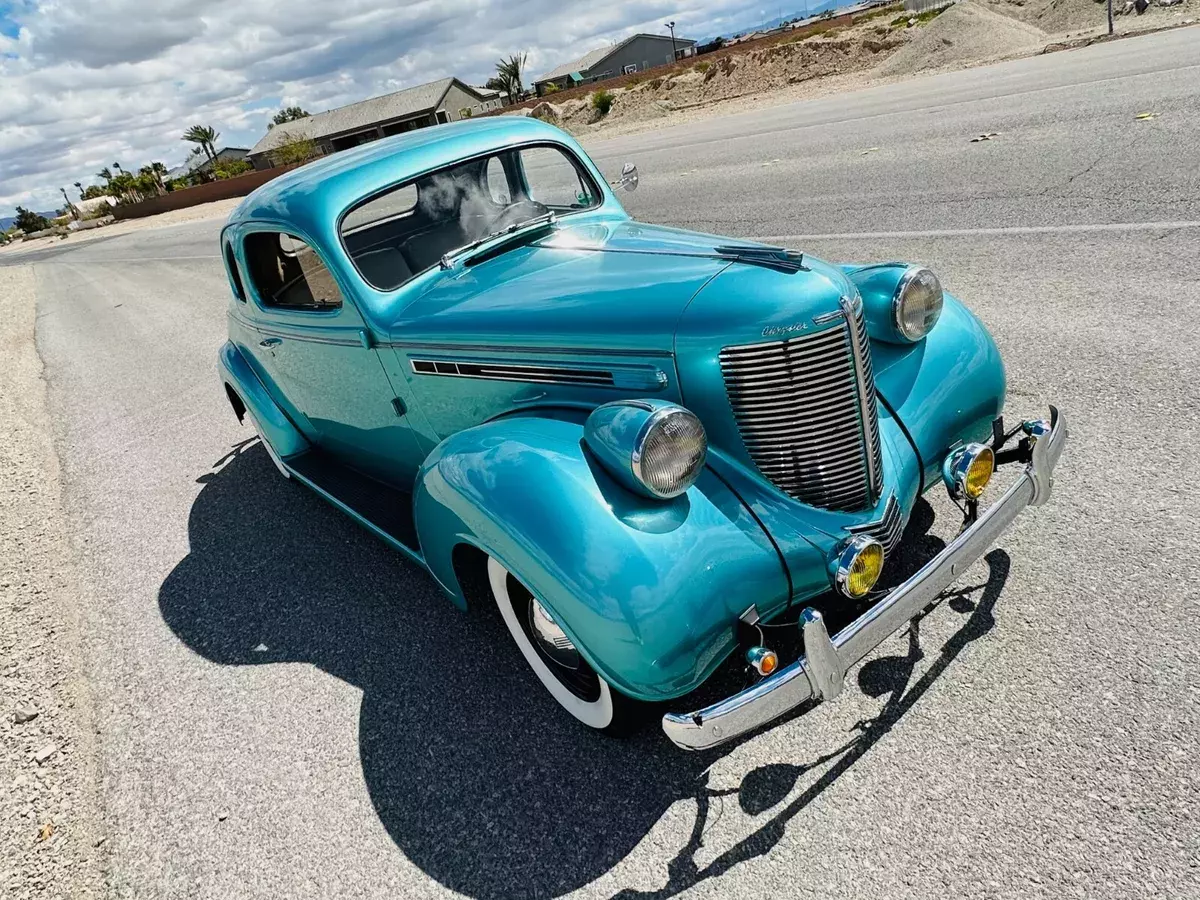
column 513, row 372
column 525, row 350
column 813, row 675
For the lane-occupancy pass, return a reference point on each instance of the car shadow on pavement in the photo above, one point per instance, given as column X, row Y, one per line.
column 475, row 773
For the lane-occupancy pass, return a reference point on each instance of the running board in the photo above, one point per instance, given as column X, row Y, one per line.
column 383, row 509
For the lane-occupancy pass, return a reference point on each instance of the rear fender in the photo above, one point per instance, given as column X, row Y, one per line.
column 279, row 435
column 648, row 590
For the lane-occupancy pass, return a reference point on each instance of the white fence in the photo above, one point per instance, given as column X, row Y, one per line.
column 920, row 6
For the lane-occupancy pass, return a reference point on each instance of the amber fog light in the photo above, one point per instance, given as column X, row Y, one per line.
column 855, row 566
column 968, row 470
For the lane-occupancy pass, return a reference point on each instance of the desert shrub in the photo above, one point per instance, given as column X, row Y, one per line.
column 602, row 101
column 702, row 67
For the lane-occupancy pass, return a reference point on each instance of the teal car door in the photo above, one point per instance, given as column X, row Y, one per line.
column 317, row 348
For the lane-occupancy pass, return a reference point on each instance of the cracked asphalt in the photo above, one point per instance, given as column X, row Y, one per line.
column 285, row 708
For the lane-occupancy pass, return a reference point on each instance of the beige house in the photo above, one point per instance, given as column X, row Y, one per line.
column 445, row 100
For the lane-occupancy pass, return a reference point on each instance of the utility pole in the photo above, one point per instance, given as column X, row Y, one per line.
column 1110, row 17
column 675, row 52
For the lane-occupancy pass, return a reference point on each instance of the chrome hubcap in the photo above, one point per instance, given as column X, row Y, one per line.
column 552, row 640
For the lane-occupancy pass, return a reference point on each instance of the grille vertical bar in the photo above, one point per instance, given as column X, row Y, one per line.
column 807, row 412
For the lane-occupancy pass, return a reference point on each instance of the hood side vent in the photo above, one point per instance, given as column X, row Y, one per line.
column 511, row 372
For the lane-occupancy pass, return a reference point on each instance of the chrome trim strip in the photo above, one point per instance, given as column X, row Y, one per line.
column 512, row 372
column 810, row 676
column 864, row 397
column 311, row 339
column 537, row 351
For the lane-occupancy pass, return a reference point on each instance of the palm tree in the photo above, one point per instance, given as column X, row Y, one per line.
column 106, row 175
column 152, row 175
column 79, row 187
column 508, row 73
column 117, row 166
column 206, row 137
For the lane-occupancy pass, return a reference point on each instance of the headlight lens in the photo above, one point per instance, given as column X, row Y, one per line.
column 917, row 303
column 669, row 452
column 856, row 565
column 968, row 470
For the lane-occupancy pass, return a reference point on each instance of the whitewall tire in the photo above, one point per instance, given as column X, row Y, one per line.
column 581, row 692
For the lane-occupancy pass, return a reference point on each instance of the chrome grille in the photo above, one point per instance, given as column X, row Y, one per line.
column 887, row 530
column 807, row 412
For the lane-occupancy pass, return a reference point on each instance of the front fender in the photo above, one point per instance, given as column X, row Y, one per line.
column 648, row 590
column 946, row 389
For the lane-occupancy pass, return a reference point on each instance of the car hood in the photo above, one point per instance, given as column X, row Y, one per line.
column 593, row 285
column 596, row 285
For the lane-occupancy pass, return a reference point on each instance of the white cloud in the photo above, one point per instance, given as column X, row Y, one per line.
column 84, row 83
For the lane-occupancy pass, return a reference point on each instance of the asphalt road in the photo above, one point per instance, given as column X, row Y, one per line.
column 288, row 709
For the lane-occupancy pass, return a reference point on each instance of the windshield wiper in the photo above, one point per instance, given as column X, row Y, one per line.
column 545, row 219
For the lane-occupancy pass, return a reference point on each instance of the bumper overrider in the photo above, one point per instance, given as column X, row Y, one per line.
column 820, row 672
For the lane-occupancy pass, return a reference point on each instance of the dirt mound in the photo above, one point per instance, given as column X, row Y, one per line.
column 755, row 72
column 1055, row 16
column 965, row 33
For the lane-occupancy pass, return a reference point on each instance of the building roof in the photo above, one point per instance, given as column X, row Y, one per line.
column 363, row 114
column 594, row 57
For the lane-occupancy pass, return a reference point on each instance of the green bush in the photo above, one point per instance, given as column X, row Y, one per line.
column 602, row 101
column 550, row 88
column 230, row 168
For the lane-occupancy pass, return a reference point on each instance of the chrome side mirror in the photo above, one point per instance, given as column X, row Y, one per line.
column 628, row 179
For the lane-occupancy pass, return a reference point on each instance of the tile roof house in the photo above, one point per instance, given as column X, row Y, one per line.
column 444, row 100
column 634, row 54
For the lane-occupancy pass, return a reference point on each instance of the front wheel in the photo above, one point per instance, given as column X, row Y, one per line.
column 561, row 668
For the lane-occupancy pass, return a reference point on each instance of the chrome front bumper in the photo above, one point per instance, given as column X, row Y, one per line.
column 820, row 672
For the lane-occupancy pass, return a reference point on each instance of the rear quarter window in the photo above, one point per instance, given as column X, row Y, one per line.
column 235, row 277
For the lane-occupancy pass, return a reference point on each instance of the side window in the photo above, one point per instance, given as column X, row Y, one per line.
column 554, row 181
column 235, row 277
column 395, row 204
column 497, row 182
column 288, row 274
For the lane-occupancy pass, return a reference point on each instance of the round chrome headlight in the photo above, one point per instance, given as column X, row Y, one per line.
column 917, row 303
column 669, row 452
column 652, row 447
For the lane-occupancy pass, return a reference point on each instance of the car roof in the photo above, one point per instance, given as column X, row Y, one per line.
column 314, row 194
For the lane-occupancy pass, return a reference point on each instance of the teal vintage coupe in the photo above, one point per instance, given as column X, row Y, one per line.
column 646, row 446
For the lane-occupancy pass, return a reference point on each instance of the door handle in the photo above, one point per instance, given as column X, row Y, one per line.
column 270, row 342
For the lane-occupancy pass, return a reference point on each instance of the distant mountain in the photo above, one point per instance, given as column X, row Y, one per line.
column 6, row 222
column 808, row 11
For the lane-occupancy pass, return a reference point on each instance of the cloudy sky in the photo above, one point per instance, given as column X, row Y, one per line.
column 84, row 83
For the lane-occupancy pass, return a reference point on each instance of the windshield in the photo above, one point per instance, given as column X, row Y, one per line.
column 406, row 230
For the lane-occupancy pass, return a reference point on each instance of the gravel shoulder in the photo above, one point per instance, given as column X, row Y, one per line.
column 51, row 842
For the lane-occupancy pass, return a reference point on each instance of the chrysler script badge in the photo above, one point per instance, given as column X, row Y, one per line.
column 774, row 330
